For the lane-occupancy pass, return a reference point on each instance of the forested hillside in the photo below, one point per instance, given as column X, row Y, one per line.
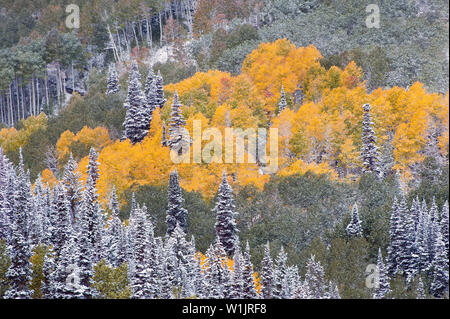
column 92, row 204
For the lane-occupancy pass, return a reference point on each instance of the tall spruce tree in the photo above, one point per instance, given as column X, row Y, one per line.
column 179, row 138
column 137, row 121
column 280, row 274
column 141, row 277
column 369, row 152
column 315, row 278
column 175, row 213
column 160, row 99
column 354, row 228
column 226, row 228
column 248, row 288
column 440, row 275
column 382, row 288
column 267, row 276
column 73, row 186
column 113, row 80
column 444, row 226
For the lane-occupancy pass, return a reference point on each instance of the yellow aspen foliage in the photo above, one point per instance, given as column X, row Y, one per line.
column 48, row 178
column 12, row 139
column 84, row 139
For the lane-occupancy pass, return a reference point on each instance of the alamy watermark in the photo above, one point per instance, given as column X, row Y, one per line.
column 373, row 19
column 73, row 19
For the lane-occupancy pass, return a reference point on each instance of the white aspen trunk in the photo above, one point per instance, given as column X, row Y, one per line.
column 1, row 109
column 73, row 79
column 58, row 90
column 23, row 97
column 33, row 95
column 126, row 40
column 38, row 106
column 149, row 35
column 46, row 90
column 135, row 37
column 160, row 30
column 11, row 114
column 112, row 43
column 119, row 46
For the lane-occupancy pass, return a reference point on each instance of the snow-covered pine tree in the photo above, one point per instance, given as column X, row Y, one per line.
column 65, row 277
column 137, row 121
column 396, row 241
column 267, row 276
column 423, row 260
column 237, row 276
column 280, row 271
column 369, row 152
column 19, row 271
column 140, row 282
column 248, row 287
column 214, row 271
column 227, row 282
column 179, row 138
column 433, row 228
column 73, row 186
column 113, row 251
column 226, row 229
column 90, row 207
column 48, row 268
column 282, row 104
column 382, row 288
column 444, row 226
column 175, row 213
column 440, row 276
column 113, row 80
column 62, row 220
column 415, row 212
column 354, row 227
column 316, row 279
column 160, row 99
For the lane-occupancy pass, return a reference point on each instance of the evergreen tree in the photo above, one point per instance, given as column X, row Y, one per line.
column 282, row 104
column 140, row 282
column 175, row 213
column 179, row 138
column 73, row 186
column 237, row 277
column 160, row 99
column 396, row 240
column 137, row 121
column 113, row 80
column 369, row 151
column 315, row 279
column 214, row 271
column 19, row 271
column 444, row 226
column 267, row 276
column 382, row 289
column 62, row 223
column 439, row 284
column 354, row 227
column 226, row 229
column 248, row 288
column 280, row 274
column 114, row 254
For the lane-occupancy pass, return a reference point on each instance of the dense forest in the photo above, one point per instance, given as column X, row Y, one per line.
column 92, row 204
